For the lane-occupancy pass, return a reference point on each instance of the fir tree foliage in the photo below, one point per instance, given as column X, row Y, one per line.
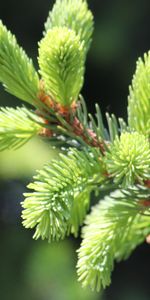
column 61, row 63
column 74, row 15
column 17, row 126
column 139, row 97
column 100, row 159
column 113, row 229
column 17, row 72
column 128, row 160
column 60, row 199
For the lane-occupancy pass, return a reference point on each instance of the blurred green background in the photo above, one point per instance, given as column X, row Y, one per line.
column 35, row 270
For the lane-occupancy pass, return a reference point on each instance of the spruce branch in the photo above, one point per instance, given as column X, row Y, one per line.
column 128, row 159
column 74, row 123
column 75, row 15
column 100, row 160
column 62, row 64
column 17, row 73
column 139, row 97
column 17, row 126
column 61, row 193
column 113, row 229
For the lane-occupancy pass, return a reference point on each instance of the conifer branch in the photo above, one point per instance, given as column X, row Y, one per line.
column 139, row 99
column 61, row 194
column 61, row 63
column 116, row 158
column 17, row 73
column 113, row 229
column 74, row 15
column 75, row 123
column 17, row 127
column 128, row 159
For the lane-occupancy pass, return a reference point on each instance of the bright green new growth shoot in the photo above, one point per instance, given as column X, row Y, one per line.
column 50, row 208
column 139, row 97
column 113, row 229
column 17, row 127
column 61, row 61
column 17, row 73
column 93, row 159
column 76, row 16
column 128, row 159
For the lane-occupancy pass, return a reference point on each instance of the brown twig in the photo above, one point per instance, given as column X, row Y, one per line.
column 92, row 140
column 147, row 183
column 66, row 112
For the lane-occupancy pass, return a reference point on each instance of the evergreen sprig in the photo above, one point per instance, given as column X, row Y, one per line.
column 61, row 63
column 139, row 97
column 74, row 15
column 17, row 72
column 128, row 159
column 113, row 229
column 17, row 126
column 61, row 193
column 100, row 160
